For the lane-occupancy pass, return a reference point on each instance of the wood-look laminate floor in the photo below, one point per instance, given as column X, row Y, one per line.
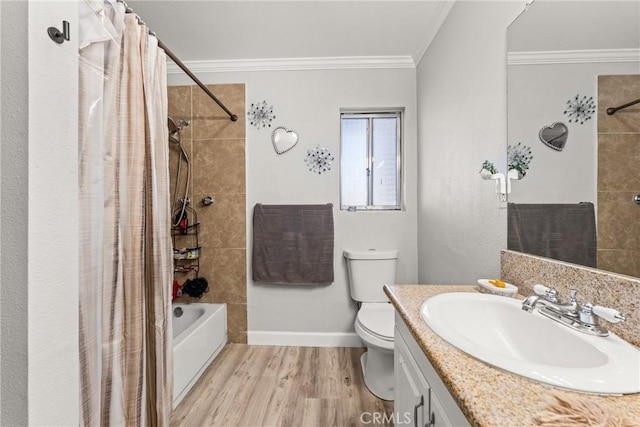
column 255, row 386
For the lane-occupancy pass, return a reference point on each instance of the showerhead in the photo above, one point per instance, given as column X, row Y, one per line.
column 175, row 128
column 174, row 131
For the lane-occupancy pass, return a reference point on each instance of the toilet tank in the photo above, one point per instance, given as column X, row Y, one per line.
column 369, row 270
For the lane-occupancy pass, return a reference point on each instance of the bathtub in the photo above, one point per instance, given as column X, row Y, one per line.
column 198, row 336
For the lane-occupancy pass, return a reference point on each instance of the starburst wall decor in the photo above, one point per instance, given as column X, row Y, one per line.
column 580, row 109
column 319, row 159
column 261, row 115
column 518, row 158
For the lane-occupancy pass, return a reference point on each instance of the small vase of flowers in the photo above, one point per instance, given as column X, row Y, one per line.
column 487, row 170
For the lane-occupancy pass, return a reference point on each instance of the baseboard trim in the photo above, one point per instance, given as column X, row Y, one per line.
column 304, row 339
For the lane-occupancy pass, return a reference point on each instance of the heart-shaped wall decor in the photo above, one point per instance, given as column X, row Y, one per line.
column 283, row 139
column 554, row 136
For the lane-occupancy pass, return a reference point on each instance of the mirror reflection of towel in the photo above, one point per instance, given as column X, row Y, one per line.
column 565, row 232
column 293, row 244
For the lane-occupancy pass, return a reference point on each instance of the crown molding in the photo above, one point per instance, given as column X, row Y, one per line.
column 294, row 64
column 437, row 19
column 573, row 56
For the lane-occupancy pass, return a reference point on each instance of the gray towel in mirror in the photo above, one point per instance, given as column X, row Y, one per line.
column 565, row 232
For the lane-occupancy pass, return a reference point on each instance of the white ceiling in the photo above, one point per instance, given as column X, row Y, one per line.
column 250, row 30
column 576, row 25
column 237, row 30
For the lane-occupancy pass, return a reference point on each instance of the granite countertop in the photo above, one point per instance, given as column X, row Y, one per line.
column 486, row 395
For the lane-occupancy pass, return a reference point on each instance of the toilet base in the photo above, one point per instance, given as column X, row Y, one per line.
column 380, row 381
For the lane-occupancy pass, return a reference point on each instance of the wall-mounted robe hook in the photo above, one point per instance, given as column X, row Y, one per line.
column 56, row 35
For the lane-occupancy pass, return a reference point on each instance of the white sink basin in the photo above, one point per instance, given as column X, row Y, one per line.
column 497, row 331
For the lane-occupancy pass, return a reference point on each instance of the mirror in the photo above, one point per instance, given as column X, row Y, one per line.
column 283, row 139
column 554, row 136
column 562, row 53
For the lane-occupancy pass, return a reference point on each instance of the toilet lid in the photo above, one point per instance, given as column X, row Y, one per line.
column 377, row 318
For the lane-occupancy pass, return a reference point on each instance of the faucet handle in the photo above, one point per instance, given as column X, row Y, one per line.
column 550, row 293
column 608, row 314
column 540, row 289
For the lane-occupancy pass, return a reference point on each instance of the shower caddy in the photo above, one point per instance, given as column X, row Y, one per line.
column 186, row 246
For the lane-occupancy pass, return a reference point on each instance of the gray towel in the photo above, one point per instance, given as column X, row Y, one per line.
column 293, row 244
column 565, row 232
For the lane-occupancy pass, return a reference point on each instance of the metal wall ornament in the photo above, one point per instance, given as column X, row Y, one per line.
column 580, row 109
column 319, row 159
column 554, row 136
column 260, row 115
column 283, row 139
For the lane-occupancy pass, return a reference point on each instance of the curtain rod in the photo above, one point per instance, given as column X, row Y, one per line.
column 188, row 72
column 612, row 111
column 183, row 67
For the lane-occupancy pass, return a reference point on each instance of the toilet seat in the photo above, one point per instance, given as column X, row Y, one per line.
column 377, row 319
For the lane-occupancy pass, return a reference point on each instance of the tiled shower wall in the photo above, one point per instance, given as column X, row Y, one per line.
column 216, row 148
column 618, row 178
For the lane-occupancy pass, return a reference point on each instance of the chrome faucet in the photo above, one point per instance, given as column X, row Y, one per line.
column 584, row 320
column 548, row 297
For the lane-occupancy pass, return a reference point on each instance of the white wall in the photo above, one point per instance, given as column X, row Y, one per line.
column 38, row 299
column 462, row 122
column 537, row 97
column 53, row 217
column 0, row 215
column 14, row 191
column 309, row 102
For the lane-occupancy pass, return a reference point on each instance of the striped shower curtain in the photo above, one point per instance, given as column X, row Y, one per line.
column 126, row 265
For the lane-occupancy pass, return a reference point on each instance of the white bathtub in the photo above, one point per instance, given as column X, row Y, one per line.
column 198, row 336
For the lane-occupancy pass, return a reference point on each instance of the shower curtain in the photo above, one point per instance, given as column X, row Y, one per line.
column 126, row 269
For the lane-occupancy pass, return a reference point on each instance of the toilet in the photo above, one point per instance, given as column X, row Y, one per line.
column 368, row 271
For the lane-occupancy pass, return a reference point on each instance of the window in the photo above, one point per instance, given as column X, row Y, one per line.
column 370, row 161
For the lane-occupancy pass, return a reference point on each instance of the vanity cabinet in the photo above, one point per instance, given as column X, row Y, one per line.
column 422, row 399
